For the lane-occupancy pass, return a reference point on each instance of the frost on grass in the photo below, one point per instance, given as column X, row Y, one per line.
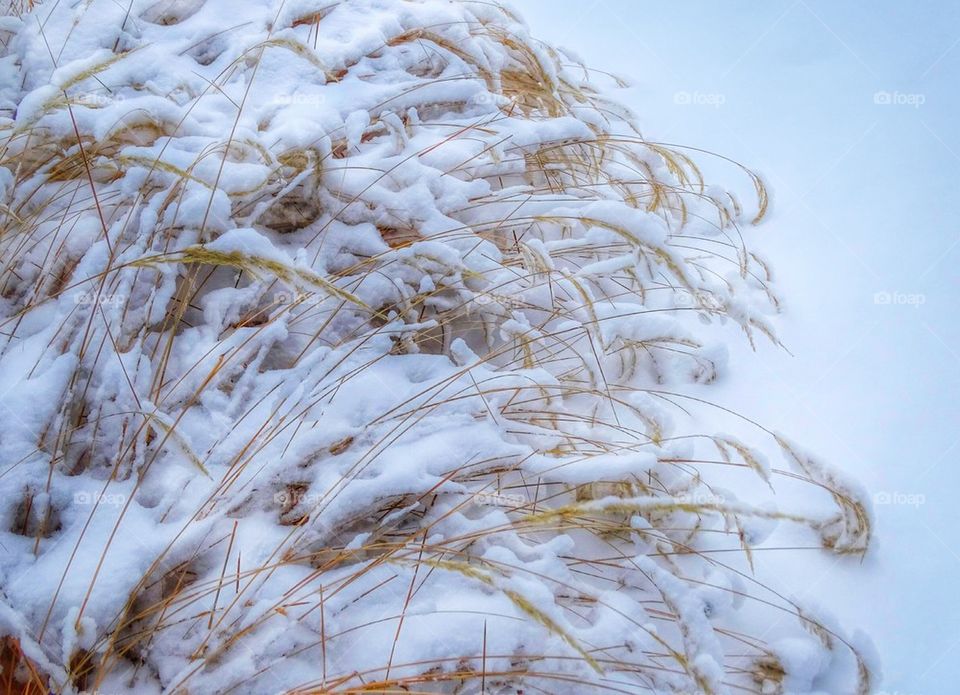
column 353, row 346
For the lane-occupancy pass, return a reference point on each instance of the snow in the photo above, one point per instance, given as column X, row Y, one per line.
column 866, row 195
column 364, row 336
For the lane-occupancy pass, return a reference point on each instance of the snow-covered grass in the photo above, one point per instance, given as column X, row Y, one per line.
column 351, row 347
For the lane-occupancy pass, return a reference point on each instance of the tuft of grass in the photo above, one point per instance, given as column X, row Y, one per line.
column 557, row 327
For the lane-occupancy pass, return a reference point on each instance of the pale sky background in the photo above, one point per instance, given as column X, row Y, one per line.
column 850, row 110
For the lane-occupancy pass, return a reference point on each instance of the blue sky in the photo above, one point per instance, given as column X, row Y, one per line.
column 850, row 111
